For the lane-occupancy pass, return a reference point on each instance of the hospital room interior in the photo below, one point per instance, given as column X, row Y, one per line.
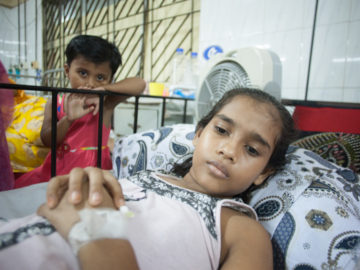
column 189, row 53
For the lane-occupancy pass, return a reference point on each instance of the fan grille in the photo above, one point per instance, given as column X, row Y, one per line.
column 222, row 77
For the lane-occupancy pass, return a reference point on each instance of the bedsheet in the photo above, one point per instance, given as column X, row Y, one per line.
column 23, row 201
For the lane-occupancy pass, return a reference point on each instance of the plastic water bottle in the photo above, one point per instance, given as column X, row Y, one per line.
column 194, row 70
column 184, row 74
column 177, row 74
column 190, row 76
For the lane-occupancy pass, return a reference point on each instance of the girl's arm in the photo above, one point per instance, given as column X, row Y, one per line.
column 96, row 254
column 245, row 243
column 132, row 86
column 62, row 126
column 107, row 254
column 75, row 107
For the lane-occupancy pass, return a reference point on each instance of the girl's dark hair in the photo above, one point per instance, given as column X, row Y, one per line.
column 94, row 49
column 287, row 135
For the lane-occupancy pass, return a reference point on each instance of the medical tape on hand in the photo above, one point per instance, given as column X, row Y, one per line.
column 98, row 224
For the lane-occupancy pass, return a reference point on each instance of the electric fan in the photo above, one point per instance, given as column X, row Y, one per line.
column 246, row 67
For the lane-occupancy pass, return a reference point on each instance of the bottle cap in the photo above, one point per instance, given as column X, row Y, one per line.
column 179, row 50
column 194, row 54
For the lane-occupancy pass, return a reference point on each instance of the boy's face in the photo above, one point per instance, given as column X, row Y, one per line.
column 233, row 150
column 83, row 73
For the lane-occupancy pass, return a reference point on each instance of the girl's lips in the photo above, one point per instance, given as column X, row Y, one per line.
column 218, row 169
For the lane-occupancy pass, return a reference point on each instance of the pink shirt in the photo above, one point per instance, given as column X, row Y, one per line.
column 173, row 228
column 79, row 149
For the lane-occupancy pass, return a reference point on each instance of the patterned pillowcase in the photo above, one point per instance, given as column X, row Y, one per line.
column 311, row 207
column 340, row 148
column 312, row 210
column 155, row 149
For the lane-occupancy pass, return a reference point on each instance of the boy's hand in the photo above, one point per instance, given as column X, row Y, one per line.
column 74, row 181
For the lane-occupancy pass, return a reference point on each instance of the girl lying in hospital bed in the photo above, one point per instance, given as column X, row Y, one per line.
column 193, row 218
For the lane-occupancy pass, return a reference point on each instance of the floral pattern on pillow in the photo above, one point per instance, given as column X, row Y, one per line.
column 340, row 148
column 152, row 150
column 312, row 210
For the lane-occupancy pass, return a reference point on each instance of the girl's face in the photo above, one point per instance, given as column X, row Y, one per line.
column 233, row 150
column 86, row 74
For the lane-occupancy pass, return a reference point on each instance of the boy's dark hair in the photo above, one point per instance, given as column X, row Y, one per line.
column 94, row 49
column 287, row 135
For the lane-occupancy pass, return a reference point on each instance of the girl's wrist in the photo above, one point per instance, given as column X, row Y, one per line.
column 68, row 120
column 97, row 224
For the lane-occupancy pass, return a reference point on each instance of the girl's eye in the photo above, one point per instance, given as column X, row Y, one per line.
column 83, row 73
column 251, row 150
column 100, row 78
column 220, row 130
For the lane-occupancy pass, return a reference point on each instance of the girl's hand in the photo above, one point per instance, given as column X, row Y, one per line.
column 74, row 181
column 65, row 215
column 93, row 100
column 76, row 106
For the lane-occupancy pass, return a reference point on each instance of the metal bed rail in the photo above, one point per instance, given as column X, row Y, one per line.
column 54, row 91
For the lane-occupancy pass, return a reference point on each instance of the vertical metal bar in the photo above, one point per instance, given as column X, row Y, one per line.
column 62, row 19
column 113, row 21
column 141, row 71
column 53, row 132
column 19, row 36
column 185, row 109
column 36, row 30
column 192, row 27
column 311, row 51
column 136, row 114
column 25, row 33
column 107, row 19
column 101, row 106
column 163, row 111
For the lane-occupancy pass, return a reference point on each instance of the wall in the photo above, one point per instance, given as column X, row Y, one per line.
column 285, row 27
column 17, row 47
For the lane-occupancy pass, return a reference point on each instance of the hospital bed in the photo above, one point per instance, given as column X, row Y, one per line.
column 311, row 208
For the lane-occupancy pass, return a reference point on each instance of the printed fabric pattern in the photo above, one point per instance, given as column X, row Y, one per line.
column 202, row 203
column 26, row 149
column 32, row 243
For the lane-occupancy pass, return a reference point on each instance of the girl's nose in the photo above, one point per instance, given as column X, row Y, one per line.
column 228, row 151
column 91, row 83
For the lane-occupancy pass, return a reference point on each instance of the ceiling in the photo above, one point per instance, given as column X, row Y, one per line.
column 11, row 3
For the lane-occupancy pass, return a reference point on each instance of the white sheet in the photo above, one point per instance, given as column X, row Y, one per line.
column 23, row 201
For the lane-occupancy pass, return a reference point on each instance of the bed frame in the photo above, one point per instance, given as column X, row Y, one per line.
column 55, row 90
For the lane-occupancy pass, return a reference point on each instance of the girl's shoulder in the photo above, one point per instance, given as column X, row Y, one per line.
column 239, row 232
column 240, row 226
